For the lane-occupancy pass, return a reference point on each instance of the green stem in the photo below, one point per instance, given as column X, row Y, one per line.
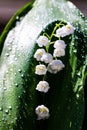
column 44, row 77
column 55, row 28
column 46, row 35
column 47, row 48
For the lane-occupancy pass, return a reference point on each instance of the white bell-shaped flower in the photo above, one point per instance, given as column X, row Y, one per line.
column 59, row 52
column 42, row 112
column 61, row 32
column 42, row 41
column 40, row 69
column 70, row 29
column 38, row 54
column 47, row 57
column 43, row 86
column 55, row 66
column 59, row 44
column 65, row 30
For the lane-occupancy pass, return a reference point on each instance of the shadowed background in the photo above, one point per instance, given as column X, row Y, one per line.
column 9, row 7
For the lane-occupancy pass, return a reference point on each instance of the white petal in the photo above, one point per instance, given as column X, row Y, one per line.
column 42, row 41
column 38, row 54
column 59, row 44
column 42, row 112
column 70, row 29
column 65, row 30
column 61, row 32
column 41, row 69
column 47, row 58
column 55, row 66
column 43, row 86
column 59, row 52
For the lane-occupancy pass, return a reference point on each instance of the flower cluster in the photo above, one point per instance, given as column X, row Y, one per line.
column 65, row 30
column 50, row 62
column 59, row 48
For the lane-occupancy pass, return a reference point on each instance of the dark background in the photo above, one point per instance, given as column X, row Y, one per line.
column 9, row 7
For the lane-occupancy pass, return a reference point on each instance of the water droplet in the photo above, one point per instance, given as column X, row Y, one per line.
column 24, row 91
column 19, row 70
column 19, row 97
column 72, row 43
column 12, row 122
column 17, row 107
column 0, row 109
column 15, row 74
column 15, row 58
column 20, row 117
column 5, row 88
column 75, row 51
column 11, row 62
column 10, row 107
column 7, row 72
column 22, row 75
column 77, row 95
column 16, row 85
column 6, row 111
column 17, row 17
column 15, row 118
column 11, row 69
column 37, row 18
column 79, row 73
column 10, row 49
column 7, row 54
column 4, row 119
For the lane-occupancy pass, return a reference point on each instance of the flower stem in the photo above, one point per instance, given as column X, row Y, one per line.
column 55, row 28
column 44, row 77
column 45, row 34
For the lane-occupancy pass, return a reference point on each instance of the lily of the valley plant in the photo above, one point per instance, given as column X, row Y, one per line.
column 48, row 62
